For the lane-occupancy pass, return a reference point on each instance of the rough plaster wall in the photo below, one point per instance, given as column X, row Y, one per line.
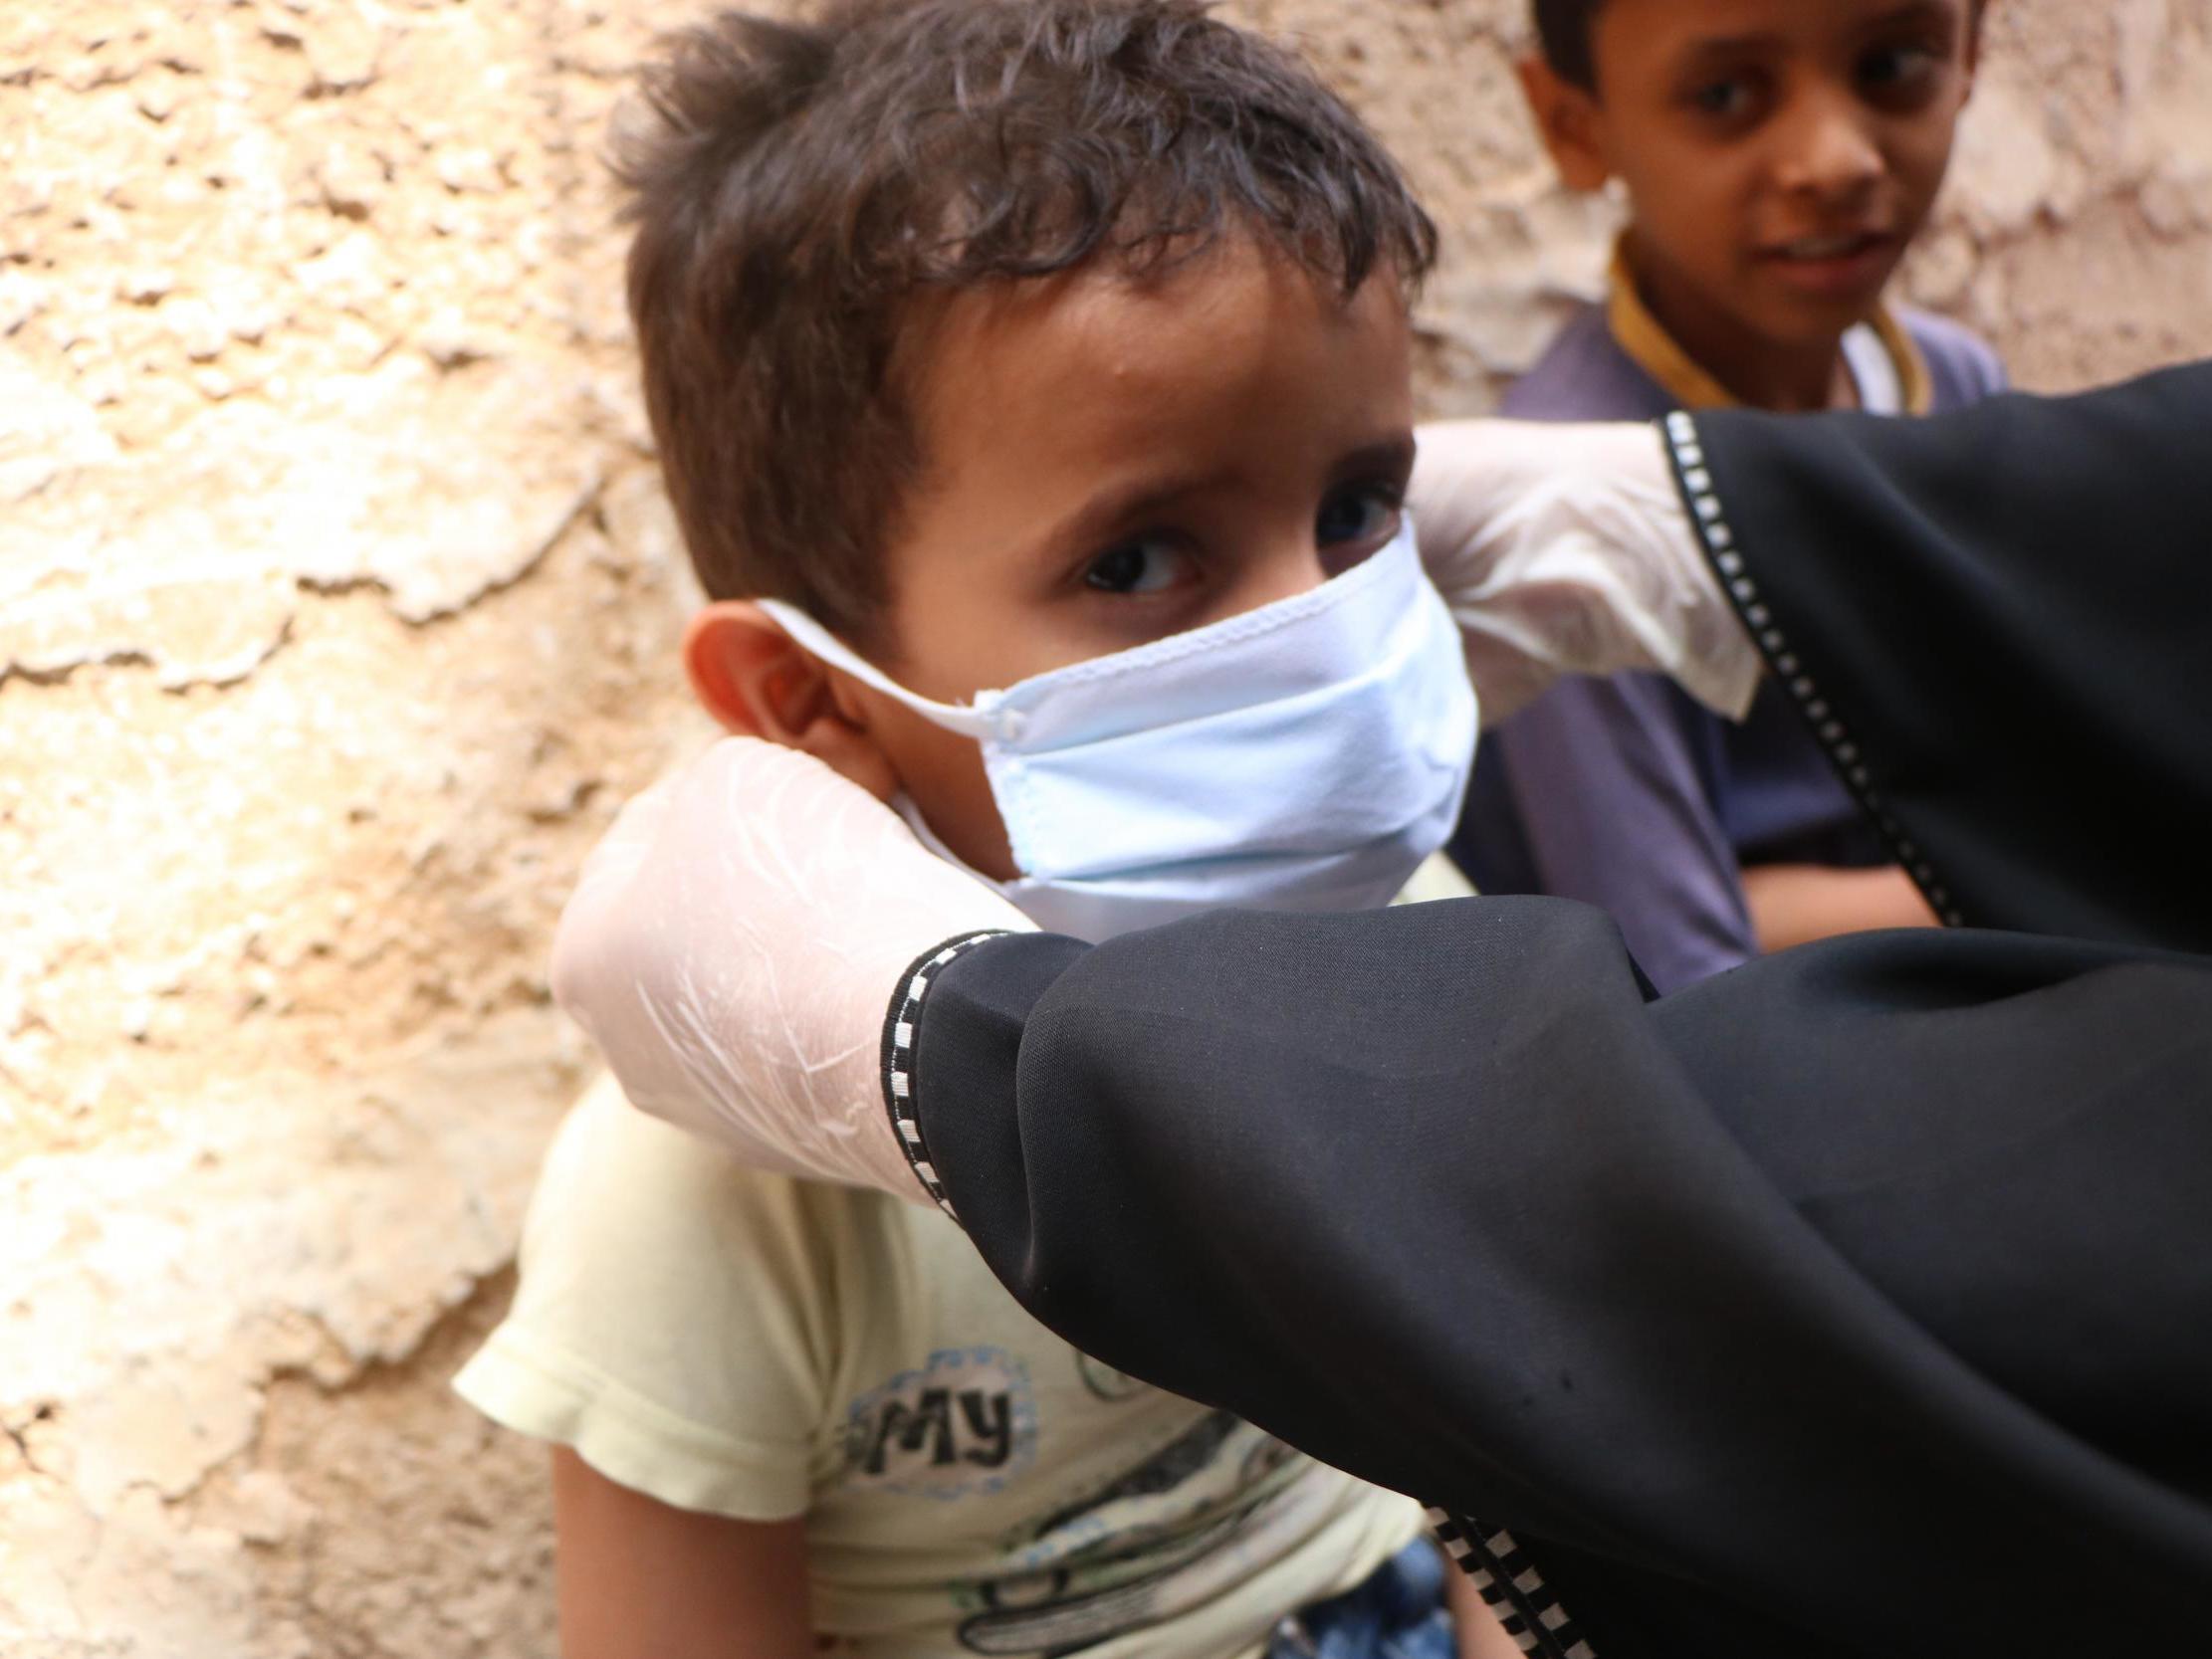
column 337, row 609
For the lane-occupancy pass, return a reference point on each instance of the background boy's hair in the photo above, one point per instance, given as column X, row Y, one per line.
column 801, row 188
column 1562, row 30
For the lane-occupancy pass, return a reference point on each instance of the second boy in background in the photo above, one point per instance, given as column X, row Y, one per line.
column 1778, row 158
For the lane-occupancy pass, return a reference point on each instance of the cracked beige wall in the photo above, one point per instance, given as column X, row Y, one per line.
column 336, row 614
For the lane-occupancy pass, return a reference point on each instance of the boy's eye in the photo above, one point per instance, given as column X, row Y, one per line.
column 1724, row 100
column 1895, row 71
column 1148, row 565
column 1362, row 513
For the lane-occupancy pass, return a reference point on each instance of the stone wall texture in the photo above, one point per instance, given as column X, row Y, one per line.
column 337, row 613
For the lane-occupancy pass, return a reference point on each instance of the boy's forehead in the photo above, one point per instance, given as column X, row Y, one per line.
column 1102, row 357
column 1657, row 23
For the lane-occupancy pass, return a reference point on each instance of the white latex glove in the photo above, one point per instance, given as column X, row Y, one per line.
column 1564, row 549
column 732, row 947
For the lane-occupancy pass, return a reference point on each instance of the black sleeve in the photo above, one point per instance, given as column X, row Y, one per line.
column 1858, row 1301
column 1999, row 622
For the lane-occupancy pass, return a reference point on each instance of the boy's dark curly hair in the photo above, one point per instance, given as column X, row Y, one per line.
column 801, row 188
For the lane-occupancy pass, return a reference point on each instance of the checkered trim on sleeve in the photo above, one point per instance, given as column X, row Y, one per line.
column 1705, row 512
column 899, row 1027
column 1511, row 1586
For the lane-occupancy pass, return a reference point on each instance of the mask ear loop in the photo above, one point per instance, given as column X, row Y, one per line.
column 981, row 720
column 987, row 722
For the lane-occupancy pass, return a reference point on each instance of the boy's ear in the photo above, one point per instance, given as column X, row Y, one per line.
column 1570, row 123
column 749, row 675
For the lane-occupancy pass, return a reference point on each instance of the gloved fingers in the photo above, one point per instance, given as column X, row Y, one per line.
column 1470, row 478
column 1565, row 548
column 734, row 949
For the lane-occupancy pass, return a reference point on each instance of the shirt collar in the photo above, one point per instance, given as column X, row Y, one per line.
column 1657, row 352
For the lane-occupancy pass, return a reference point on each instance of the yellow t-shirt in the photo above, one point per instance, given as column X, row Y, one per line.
column 748, row 1344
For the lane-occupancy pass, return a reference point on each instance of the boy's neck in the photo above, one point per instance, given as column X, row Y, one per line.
column 1754, row 370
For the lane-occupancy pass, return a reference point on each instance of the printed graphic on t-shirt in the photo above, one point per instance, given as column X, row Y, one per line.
column 963, row 1424
column 1104, row 1381
column 1188, row 1522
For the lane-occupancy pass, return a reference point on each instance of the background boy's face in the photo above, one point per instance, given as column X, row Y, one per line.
column 1106, row 463
column 1780, row 155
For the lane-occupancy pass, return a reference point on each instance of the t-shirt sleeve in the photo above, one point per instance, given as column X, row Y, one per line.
column 1606, row 787
column 671, row 1325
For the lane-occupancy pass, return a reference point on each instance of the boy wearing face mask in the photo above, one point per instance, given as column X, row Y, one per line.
column 1778, row 158
column 1031, row 382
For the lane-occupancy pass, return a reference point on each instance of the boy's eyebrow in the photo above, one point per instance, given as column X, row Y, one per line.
column 1915, row 11
column 1722, row 45
column 1394, row 453
column 1126, row 503
column 1717, row 45
column 1115, row 508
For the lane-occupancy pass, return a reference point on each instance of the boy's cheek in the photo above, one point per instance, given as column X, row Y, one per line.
column 1920, row 165
column 943, row 773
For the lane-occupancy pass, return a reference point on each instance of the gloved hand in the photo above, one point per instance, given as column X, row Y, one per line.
column 1564, row 549
column 732, row 947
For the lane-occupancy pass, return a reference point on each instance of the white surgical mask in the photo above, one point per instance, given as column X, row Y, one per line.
column 1306, row 755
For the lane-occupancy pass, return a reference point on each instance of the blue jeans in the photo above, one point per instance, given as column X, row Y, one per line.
column 1400, row 1612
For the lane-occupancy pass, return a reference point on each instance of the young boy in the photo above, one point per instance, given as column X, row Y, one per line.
column 1058, row 346
column 1778, row 155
